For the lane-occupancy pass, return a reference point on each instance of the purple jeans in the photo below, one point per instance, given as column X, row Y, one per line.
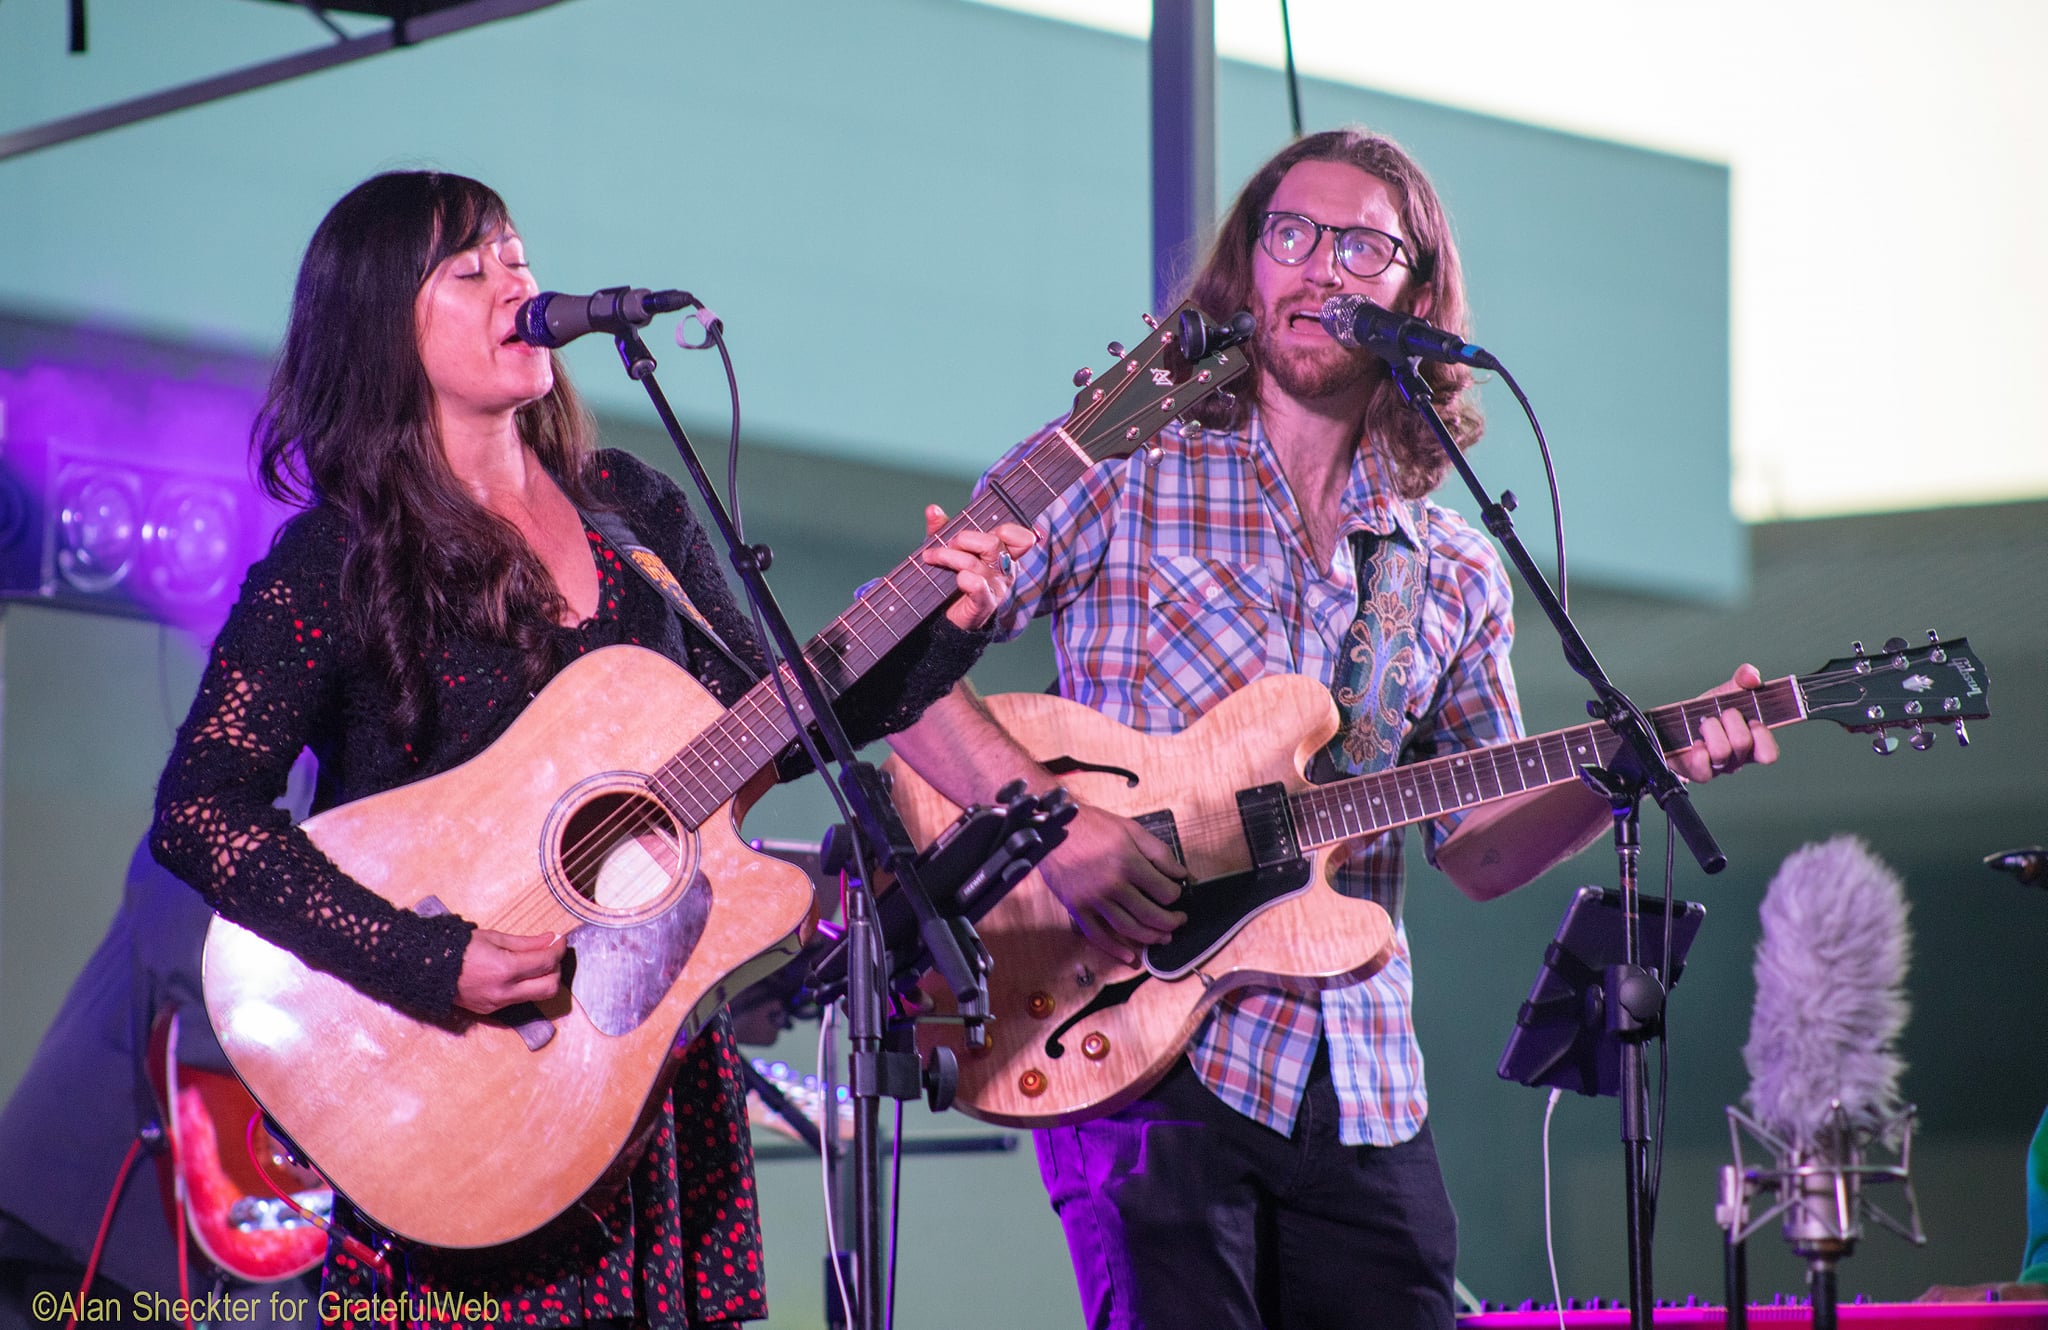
column 1180, row 1212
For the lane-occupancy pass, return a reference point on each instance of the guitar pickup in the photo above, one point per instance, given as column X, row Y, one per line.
column 1268, row 828
column 1162, row 825
column 1218, row 907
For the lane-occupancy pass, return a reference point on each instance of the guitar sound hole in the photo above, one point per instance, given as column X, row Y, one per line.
column 621, row 851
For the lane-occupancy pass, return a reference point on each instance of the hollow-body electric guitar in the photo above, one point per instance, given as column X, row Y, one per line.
column 607, row 812
column 1075, row 1034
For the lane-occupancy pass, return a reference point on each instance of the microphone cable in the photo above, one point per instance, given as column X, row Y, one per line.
column 1549, row 1237
column 1550, row 478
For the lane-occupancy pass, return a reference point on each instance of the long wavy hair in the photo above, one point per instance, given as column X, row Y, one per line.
column 349, row 421
column 1223, row 285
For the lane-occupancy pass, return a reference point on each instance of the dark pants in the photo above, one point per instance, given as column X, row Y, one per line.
column 1181, row 1212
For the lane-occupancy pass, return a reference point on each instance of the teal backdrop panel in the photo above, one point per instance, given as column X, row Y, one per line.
column 917, row 218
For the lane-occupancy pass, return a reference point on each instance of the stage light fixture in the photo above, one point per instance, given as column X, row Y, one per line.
column 192, row 543
column 97, row 534
column 114, row 536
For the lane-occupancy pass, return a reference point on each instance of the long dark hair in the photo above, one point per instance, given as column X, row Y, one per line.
column 350, row 422
column 1223, row 285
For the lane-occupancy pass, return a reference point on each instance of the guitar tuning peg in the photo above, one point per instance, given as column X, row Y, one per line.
column 1933, row 636
column 1962, row 735
column 1885, row 745
column 1921, row 740
column 1082, row 375
column 1117, row 349
column 1150, row 322
column 1862, row 666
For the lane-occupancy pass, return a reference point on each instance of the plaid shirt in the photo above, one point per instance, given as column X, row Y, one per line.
column 1176, row 582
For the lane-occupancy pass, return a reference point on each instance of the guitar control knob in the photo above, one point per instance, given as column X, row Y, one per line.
column 1039, row 1005
column 1095, row 1047
column 1032, row 1083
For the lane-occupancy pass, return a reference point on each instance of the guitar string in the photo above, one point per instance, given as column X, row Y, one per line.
column 637, row 819
column 871, row 605
column 1419, row 784
column 643, row 821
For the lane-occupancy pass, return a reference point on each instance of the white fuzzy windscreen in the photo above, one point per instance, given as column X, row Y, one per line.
column 1830, row 991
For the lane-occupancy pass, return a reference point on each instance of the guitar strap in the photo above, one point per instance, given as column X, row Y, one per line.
column 656, row 574
column 1378, row 662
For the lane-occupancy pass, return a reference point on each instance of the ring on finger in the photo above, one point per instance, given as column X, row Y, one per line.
column 1004, row 563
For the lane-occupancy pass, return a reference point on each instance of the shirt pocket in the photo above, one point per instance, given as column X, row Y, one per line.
column 1212, row 629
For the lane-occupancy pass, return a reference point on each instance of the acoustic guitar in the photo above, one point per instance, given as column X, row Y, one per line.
column 1077, row 1035
column 608, row 812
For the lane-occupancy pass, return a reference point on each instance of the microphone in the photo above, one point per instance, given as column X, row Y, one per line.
column 552, row 319
column 1357, row 322
column 1822, row 1055
column 2029, row 864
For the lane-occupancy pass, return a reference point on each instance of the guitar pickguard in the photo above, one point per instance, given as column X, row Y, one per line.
column 624, row 971
column 1217, row 909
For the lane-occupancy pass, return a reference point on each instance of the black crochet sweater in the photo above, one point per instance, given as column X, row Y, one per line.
column 679, row 1245
column 283, row 675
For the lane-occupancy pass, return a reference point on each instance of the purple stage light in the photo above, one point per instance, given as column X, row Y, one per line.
column 124, row 481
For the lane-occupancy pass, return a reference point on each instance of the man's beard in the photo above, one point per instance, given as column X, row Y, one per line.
column 1310, row 374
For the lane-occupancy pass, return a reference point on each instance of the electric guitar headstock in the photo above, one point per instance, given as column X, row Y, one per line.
column 1185, row 359
column 1901, row 687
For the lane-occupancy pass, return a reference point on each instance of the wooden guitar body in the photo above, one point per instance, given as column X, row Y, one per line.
column 1075, row 1035
column 1041, row 1066
column 463, row 1135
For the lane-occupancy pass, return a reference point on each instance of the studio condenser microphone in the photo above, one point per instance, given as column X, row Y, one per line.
column 1823, row 1060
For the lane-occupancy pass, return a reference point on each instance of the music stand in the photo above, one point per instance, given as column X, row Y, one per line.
column 1583, row 1005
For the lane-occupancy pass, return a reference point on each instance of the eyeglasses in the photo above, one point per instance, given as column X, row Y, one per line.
column 1290, row 238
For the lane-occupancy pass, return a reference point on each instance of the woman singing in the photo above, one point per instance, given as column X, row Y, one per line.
column 441, row 573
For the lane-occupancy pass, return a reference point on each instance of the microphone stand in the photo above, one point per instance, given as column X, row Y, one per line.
column 874, row 1070
column 1635, row 997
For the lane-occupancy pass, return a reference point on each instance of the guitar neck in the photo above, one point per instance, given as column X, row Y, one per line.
column 1365, row 805
column 736, row 748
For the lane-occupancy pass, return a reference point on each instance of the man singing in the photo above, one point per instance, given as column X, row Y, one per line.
column 1283, row 1174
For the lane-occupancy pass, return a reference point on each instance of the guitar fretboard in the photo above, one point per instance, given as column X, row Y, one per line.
column 740, row 744
column 1364, row 805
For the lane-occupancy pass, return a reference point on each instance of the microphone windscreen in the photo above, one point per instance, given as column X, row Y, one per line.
column 1830, row 992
